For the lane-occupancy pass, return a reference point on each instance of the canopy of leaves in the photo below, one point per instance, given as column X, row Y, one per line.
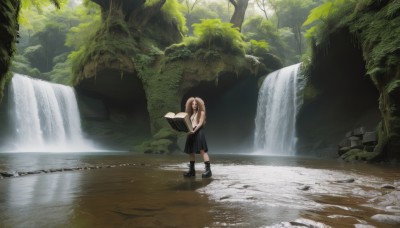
column 28, row 5
column 44, row 40
column 326, row 16
column 259, row 28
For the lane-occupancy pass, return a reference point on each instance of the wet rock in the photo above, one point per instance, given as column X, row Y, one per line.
column 390, row 199
column 35, row 172
column 224, row 197
column 304, row 188
column 9, row 173
column 389, row 219
column 388, row 186
column 350, row 180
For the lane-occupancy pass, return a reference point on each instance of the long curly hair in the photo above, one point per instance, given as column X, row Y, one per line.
column 200, row 106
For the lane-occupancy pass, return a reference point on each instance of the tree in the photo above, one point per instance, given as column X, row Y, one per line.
column 262, row 5
column 259, row 28
column 240, row 10
column 207, row 10
column 189, row 6
column 292, row 14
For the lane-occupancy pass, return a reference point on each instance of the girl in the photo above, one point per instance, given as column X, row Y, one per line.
column 196, row 140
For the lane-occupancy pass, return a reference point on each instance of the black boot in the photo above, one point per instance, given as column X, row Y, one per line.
column 208, row 172
column 191, row 172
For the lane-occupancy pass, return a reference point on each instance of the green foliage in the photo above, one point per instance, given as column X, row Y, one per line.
column 61, row 72
column 212, row 34
column 107, row 45
column 207, row 10
column 258, row 48
column 173, row 14
column 89, row 24
column 323, row 11
column 21, row 65
column 178, row 52
column 44, row 41
column 358, row 155
column 325, row 17
column 258, row 28
column 378, row 31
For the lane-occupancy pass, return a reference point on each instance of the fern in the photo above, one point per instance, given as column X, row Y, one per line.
column 392, row 86
column 213, row 34
column 173, row 11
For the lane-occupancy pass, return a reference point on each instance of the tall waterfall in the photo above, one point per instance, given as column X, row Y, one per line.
column 276, row 113
column 45, row 117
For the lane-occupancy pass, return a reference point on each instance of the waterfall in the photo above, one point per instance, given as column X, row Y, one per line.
column 276, row 113
column 45, row 117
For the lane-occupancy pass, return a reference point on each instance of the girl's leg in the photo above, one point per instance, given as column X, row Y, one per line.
column 207, row 164
column 191, row 172
column 205, row 156
column 192, row 157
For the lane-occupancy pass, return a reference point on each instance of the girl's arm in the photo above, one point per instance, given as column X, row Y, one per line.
column 201, row 121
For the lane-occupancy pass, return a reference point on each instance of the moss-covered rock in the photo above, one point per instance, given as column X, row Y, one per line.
column 9, row 10
column 358, row 155
column 157, row 146
column 372, row 30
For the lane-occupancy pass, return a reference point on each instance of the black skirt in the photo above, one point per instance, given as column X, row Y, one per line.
column 196, row 142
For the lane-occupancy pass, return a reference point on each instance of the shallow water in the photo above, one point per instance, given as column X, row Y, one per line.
column 149, row 191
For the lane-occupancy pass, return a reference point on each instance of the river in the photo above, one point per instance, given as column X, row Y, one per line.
column 131, row 190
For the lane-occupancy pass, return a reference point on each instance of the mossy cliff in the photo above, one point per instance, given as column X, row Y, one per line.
column 361, row 39
column 138, row 61
column 9, row 10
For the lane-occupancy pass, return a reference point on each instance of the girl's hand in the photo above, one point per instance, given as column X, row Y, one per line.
column 191, row 132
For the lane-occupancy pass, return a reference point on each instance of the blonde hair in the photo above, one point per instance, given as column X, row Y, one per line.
column 200, row 107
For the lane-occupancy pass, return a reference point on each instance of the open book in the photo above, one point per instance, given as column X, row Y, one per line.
column 179, row 121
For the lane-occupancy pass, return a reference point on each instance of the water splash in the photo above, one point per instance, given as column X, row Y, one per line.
column 45, row 117
column 276, row 113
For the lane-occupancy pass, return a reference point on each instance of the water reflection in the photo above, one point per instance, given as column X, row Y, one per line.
column 37, row 196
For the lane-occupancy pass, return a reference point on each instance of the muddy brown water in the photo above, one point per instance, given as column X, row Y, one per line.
column 149, row 191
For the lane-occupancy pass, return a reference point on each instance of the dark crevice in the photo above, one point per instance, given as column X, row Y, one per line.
column 231, row 108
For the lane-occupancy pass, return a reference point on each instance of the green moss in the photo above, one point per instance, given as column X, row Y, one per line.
column 358, row 155
column 165, row 133
column 309, row 93
column 111, row 45
column 162, row 91
column 178, row 52
column 144, row 147
column 212, row 34
column 159, row 146
column 9, row 10
column 374, row 26
column 173, row 14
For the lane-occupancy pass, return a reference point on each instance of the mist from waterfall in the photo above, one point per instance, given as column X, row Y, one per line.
column 277, row 107
column 45, row 117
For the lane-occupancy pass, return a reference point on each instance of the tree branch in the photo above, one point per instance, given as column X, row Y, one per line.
column 233, row 2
